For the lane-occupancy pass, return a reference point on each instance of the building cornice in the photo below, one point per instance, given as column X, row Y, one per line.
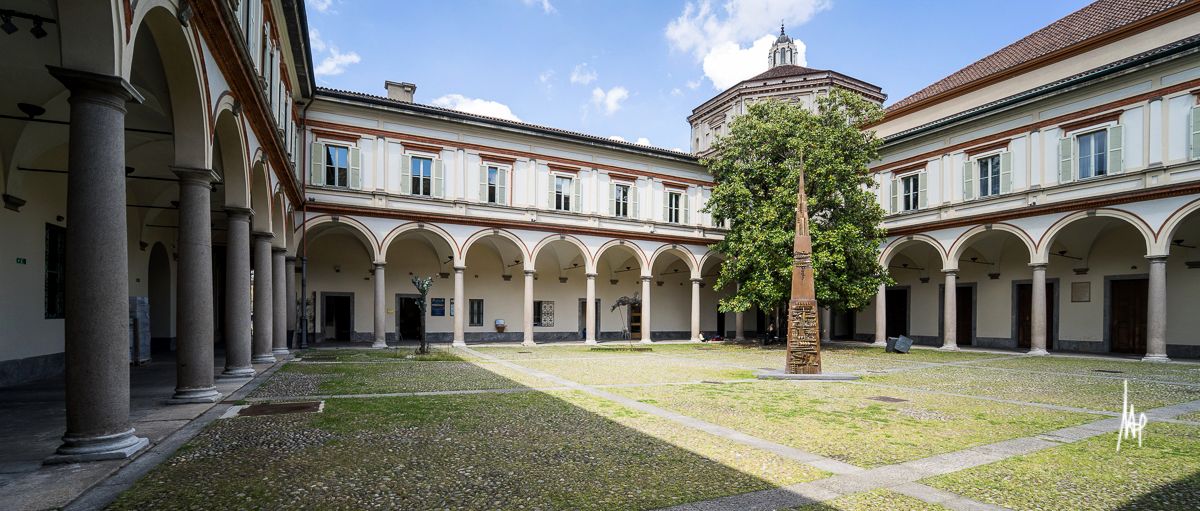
column 820, row 79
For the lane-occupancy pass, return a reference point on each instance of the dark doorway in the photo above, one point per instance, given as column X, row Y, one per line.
column 1127, row 315
column 583, row 317
column 721, row 325
column 1024, row 312
column 338, row 318
column 843, row 325
column 635, row 321
column 159, row 288
column 964, row 314
column 408, row 317
column 897, row 312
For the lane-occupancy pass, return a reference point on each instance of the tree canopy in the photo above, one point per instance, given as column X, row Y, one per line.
column 757, row 168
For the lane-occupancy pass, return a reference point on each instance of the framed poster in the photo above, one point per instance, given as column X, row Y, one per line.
column 1081, row 291
column 437, row 307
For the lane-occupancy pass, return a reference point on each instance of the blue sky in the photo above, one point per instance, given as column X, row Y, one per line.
column 635, row 69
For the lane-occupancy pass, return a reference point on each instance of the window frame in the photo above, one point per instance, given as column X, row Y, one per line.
column 1095, row 160
column 414, row 179
column 493, row 187
column 472, row 318
column 993, row 178
column 903, row 195
column 334, row 168
column 675, row 210
column 561, row 197
column 621, row 199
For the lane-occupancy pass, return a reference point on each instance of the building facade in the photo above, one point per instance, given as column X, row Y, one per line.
column 1045, row 197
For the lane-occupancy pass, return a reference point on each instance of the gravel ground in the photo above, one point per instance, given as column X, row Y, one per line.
column 323, row 379
column 1184, row 373
column 838, row 421
column 1163, row 474
column 642, row 369
column 875, row 500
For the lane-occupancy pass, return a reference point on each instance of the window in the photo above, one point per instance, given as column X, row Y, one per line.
column 475, row 316
column 493, row 177
column 56, row 245
column 989, row 175
column 674, row 207
column 910, row 192
column 621, row 201
column 422, row 176
column 543, row 313
column 563, row 190
column 493, row 184
column 1093, row 152
column 337, row 165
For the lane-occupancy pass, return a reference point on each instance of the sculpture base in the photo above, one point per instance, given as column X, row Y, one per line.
column 781, row 375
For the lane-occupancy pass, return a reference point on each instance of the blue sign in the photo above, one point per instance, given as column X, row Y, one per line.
column 437, row 307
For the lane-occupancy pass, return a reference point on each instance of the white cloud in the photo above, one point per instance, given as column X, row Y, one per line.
column 315, row 42
column 642, row 141
column 476, row 106
column 320, row 5
column 693, row 84
column 582, row 75
column 545, row 76
column 676, row 92
column 335, row 63
column 702, row 30
column 547, row 7
column 618, row 138
column 609, row 100
column 729, row 63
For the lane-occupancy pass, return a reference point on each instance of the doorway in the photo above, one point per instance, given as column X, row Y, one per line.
column 408, row 317
column 158, row 286
column 337, row 320
column 583, row 318
column 1127, row 314
column 964, row 313
column 1024, row 314
column 842, row 326
column 721, row 325
column 635, row 321
column 897, row 311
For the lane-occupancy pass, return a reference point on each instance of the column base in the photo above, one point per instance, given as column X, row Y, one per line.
column 280, row 351
column 949, row 347
column 1155, row 358
column 263, row 359
column 878, row 342
column 234, row 373
column 528, row 343
column 192, row 396
column 590, row 342
column 1037, row 352
column 107, row 447
column 646, row 341
column 460, row 344
column 379, row 344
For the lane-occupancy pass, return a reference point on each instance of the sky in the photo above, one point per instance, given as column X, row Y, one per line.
column 635, row 69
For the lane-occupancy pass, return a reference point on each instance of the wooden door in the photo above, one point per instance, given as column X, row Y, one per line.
column 897, row 312
column 965, row 315
column 1024, row 314
column 1127, row 315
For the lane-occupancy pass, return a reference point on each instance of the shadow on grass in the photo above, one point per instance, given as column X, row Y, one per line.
column 1181, row 494
column 529, row 449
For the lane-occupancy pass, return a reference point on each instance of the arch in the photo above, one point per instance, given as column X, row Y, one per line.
column 229, row 142
column 890, row 250
column 1166, row 233
column 638, row 253
column 683, row 254
column 260, row 198
column 466, row 246
column 279, row 224
column 589, row 263
column 963, row 241
column 1042, row 255
column 708, row 256
column 400, row 230
column 312, row 227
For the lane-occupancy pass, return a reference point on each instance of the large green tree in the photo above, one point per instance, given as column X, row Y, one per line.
column 757, row 168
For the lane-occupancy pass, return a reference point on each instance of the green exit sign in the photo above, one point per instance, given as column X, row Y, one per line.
column 21, row 260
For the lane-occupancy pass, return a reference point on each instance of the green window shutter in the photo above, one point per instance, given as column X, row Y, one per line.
column 633, row 201
column 576, row 205
column 406, row 174
column 1005, row 172
column 968, row 178
column 1196, row 132
column 483, row 182
column 612, row 199
column 355, row 169
column 895, row 204
column 501, row 186
column 922, row 190
column 683, row 206
column 1116, row 149
column 1066, row 160
column 666, row 205
column 438, row 177
column 553, row 181
column 317, row 176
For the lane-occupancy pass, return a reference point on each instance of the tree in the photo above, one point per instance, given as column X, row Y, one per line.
column 757, row 168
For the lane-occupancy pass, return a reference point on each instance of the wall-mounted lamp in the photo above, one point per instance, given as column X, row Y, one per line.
column 337, row 268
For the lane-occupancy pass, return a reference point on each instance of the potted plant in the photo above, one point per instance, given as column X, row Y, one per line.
column 500, row 325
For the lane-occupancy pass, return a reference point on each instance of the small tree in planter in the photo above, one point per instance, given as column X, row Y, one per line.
column 423, row 284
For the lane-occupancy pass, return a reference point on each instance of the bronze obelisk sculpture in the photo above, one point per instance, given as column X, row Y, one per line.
column 804, row 338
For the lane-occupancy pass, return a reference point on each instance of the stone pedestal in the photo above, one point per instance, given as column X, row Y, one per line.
column 279, row 301
column 264, row 315
column 96, row 328
column 237, row 294
column 194, row 306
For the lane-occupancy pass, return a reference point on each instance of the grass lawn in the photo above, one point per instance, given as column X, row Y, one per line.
column 1133, row 369
column 1162, row 474
column 837, row 420
column 875, row 500
column 626, row 368
column 374, row 355
column 917, row 354
column 500, row 451
column 1063, row 388
column 300, row 379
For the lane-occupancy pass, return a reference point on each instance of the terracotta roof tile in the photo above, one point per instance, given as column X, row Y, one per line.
column 1095, row 19
column 781, row 72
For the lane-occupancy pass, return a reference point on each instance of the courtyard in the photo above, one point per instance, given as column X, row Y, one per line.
column 687, row 426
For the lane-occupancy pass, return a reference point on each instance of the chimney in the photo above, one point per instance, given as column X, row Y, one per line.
column 402, row 91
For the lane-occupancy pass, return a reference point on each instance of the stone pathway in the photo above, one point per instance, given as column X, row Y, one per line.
column 849, row 479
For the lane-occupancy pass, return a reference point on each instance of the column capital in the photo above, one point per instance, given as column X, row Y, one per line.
column 263, row 235
column 196, row 176
column 645, row 278
column 78, row 81
column 290, row 259
column 1038, row 266
column 459, row 269
column 278, row 250
column 591, row 275
column 239, row 212
column 379, row 264
column 697, row 280
column 1157, row 258
column 529, row 273
column 952, row 272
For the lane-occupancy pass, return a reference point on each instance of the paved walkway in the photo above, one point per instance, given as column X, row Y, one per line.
column 849, row 479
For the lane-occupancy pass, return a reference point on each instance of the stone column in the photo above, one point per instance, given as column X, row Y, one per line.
column 289, row 296
column 237, row 294
column 460, row 307
column 194, row 304
column 646, row 310
column 1156, row 311
column 264, row 316
column 1037, row 338
column 696, row 310
column 528, row 341
column 96, row 325
column 881, row 315
column 950, row 311
column 380, row 303
column 589, row 308
column 279, row 301
column 739, row 326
